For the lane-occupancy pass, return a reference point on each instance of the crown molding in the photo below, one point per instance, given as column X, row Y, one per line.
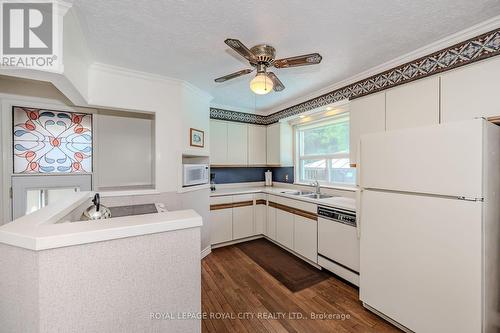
column 475, row 30
column 237, row 109
column 117, row 70
column 132, row 73
column 202, row 93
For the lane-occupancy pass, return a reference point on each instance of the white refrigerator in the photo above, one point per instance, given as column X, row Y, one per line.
column 429, row 221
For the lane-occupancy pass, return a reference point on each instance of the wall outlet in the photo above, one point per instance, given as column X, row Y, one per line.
column 286, row 177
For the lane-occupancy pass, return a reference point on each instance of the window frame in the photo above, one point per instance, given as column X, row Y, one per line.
column 298, row 157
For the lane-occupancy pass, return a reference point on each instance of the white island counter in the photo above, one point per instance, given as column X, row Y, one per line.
column 111, row 275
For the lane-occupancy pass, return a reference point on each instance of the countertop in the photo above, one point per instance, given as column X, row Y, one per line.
column 336, row 201
column 40, row 230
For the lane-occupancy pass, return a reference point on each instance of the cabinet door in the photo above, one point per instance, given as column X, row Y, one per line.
column 218, row 142
column 221, row 225
column 284, row 228
column 366, row 115
column 467, row 93
column 306, row 237
column 243, row 222
column 286, row 144
column 271, row 223
column 413, row 105
column 273, row 144
column 237, row 144
column 256, row 145
column 260, row 215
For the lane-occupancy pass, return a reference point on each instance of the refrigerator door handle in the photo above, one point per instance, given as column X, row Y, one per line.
column 358, row 212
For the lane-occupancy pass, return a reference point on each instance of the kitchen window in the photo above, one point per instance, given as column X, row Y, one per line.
column 323, row 152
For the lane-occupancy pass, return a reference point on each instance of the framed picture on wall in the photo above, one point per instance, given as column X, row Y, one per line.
column 196, row 138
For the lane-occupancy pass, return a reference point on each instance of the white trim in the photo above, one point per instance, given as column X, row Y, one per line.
column 206, row 251
column 312, row 263
column 131, row 73
column 117, row 70
column 201, row 93
column 237, row 109
column 236, row 241
column 443, row 43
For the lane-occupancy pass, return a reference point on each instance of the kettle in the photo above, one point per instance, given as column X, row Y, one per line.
column 96, row 211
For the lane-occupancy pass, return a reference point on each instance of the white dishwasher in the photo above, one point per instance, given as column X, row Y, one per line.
column 338, row 242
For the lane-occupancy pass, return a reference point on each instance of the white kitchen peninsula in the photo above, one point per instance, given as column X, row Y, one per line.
column 114, row 275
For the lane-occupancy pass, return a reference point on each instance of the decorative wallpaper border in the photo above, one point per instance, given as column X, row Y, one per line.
column 478, row 48
column 241, row 117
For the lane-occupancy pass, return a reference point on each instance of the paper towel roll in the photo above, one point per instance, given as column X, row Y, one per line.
column 269, row 178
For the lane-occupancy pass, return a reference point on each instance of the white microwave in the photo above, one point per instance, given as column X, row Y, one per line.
column 195, row 174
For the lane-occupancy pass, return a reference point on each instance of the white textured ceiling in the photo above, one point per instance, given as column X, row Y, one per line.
column 185, row 39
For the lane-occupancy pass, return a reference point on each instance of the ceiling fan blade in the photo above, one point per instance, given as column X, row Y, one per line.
column 303, row 60
column 241, row 49
column 233, row 75
column 277, row 84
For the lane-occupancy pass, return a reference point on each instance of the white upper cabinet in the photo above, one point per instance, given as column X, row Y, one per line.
column 413, row 105
column 228, row 143
column 366, row 115
column 218, row 142
column 256, row 145
column 279, row 144
column 237, row 144
column 470, row 92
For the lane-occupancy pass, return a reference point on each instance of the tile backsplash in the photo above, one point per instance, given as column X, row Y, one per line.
column 225, row 175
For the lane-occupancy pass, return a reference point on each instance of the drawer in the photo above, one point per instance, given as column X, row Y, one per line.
column 242, row 197
column 273, row 198
column 221, row 200
column 297, row 204
column 260, row 196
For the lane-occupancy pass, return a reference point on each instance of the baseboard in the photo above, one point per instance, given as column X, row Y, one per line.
column 312, row 263
column 236, row 241
column 246, row 239
column 206, row 251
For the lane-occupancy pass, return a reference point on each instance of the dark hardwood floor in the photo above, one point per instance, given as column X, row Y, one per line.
column 240, row 296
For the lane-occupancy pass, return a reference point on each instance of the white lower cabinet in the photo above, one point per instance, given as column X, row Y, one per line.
column 260, row 214
column 291, row 223
column 271, row 220
column 305, row 240
column 284, row 228
column 243, row 216
column 221, row 220
column 232, row 217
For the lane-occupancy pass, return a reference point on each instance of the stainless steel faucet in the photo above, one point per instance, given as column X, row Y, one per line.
column 316, row 184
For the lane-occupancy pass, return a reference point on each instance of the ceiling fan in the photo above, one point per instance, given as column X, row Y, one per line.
column 261, row 57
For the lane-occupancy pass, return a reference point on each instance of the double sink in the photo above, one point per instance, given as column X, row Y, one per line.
column 308, row 194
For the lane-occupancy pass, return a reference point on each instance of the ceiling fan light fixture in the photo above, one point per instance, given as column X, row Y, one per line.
column 261, row 84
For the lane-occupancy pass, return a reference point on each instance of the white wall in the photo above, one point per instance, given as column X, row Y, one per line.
column 113, row 88
column 196, row 114
column 77, row 57
column 123, row 149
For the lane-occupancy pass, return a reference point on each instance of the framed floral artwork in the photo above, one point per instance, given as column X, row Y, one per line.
column 47, row 141
column 197, row 138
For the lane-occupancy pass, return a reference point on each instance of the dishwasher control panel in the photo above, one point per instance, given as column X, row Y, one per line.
column 338, row 215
